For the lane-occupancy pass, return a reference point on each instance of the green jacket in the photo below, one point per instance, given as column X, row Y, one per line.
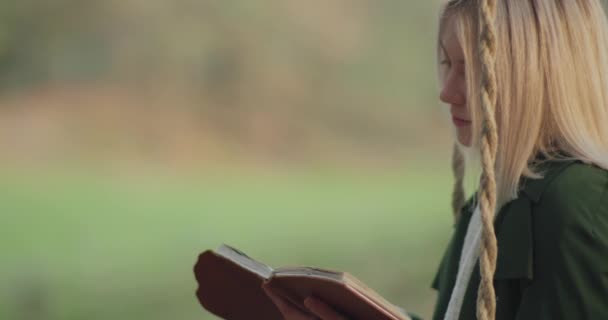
column 552, row 249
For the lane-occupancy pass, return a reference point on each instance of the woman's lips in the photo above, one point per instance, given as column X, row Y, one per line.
column 460, row 122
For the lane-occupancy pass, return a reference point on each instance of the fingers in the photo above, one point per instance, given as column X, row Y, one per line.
column 287, row 309
column 322, row 310
column 315, row 306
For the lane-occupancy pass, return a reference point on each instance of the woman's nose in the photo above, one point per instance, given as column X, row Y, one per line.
column 452, row 93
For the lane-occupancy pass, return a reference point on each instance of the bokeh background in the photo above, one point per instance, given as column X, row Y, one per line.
column 135, row 134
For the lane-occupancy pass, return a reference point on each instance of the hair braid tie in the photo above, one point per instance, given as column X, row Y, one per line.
column 486, row 298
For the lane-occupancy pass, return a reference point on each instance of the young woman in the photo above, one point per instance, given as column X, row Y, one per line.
column 526, row 82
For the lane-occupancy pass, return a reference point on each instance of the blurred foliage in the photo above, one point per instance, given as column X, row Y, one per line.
column 54, row 40
column 224, row 46
column 279, row 77
column 217, row 42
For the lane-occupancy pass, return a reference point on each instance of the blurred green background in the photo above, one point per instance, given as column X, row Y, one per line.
column 135, row 134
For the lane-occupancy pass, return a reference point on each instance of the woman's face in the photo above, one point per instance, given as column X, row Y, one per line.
column 453, row 84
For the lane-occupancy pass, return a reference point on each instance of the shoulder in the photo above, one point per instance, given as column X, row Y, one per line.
column 574, row 200
column 576, row 176
column 577, row 186
column 569, row 244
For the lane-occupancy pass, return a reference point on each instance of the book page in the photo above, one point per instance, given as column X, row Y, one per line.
column 244, row 261
column 309, row 272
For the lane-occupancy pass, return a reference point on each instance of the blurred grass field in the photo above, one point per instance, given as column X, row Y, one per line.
column 92, row 246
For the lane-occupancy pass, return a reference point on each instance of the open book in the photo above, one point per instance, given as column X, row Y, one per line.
column 230, row 286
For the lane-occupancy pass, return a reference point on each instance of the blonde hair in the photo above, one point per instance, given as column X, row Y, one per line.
column 551, row 71
column 552, row 80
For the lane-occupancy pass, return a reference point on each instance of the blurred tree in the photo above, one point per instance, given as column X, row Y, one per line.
column 276, row 68
column 41, row 41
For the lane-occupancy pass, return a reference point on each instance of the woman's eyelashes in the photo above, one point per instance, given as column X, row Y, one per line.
column 445, row 68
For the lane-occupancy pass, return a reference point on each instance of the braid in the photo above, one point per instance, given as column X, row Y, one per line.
column 458, row 195
column 486, row 298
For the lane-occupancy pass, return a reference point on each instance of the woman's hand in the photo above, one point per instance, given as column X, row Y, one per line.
column 317, row 308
